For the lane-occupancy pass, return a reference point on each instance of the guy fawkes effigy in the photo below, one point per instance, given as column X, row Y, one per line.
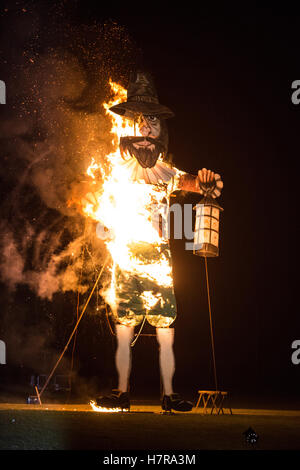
column 139, row 182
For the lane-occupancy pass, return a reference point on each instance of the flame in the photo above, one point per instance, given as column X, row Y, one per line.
column 101, row 409
column 93, row 166
column 123, row 207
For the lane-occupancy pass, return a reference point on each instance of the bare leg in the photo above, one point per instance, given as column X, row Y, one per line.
column 123, row 355
column 165, row 338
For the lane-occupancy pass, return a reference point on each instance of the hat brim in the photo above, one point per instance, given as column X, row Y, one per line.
column 130, row 109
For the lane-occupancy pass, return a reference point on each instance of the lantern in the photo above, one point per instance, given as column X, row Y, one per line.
column 206, row 234
column 206, row 242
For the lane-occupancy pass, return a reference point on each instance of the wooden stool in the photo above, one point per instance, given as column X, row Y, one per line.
column 215, row 398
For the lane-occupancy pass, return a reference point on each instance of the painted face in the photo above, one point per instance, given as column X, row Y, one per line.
column 154, row 141
column 149, row 126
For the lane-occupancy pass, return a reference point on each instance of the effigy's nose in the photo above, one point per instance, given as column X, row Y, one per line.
column 144, row 128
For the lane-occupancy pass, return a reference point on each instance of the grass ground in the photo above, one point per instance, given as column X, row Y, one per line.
column 34, row 428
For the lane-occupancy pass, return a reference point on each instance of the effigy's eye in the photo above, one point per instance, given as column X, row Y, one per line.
column 151, row 118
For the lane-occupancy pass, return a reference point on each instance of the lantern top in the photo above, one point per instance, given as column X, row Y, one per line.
column 208, row 200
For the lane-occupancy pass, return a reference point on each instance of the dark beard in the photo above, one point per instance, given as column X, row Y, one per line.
column 147, row 158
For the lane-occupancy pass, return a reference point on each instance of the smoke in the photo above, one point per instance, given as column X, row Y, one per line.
column 49, row 272
column 57, row 76
column 12, row 264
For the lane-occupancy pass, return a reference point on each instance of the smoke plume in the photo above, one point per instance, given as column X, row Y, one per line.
column 57, row 76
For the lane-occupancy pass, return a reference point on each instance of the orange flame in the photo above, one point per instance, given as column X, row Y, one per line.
column 101, row 409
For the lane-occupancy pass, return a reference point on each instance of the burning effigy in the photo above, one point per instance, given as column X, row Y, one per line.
column 130, row 203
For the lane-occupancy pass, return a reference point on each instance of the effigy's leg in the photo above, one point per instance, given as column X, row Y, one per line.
column 171, row 401
column 123, row 355
column 119, row 398
column 165, row 338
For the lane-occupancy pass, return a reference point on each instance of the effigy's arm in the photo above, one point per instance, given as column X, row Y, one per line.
column 192, row 183
column 188, row 182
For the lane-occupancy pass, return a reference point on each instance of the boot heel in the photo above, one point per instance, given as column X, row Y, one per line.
column 126, row 407
column 176, row 403
column 166, row 404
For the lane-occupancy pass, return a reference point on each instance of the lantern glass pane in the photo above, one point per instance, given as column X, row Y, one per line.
column 199, row 222
column 207, row 210
column 206, row 236
column 200, row 237
column 207, row 222
column 215, row 212
column 215, row 238
column 215, row 224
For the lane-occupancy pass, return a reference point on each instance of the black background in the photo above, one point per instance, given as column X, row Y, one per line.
column 228, row 80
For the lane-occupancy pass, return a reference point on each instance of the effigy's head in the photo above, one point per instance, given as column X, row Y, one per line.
column 142, row 106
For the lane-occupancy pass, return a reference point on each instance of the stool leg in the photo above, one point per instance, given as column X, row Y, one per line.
column 221, row 405
column 199, row 399
column 229, row 405
column 214, row 399
column 205, row 402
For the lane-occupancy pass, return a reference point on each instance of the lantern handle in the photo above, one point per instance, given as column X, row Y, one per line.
column 207, row 188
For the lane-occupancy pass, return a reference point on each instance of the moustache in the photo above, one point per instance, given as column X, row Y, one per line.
column 125, row 141
column 146, row 157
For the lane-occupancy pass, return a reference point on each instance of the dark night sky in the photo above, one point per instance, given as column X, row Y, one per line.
column 228, row 80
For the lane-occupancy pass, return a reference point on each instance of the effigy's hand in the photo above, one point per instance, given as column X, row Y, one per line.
column 206, row 176
column 210, row 182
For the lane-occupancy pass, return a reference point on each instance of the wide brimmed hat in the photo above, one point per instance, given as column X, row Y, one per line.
column 141, row 99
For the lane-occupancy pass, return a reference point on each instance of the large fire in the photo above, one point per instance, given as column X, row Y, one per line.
column 125, row 210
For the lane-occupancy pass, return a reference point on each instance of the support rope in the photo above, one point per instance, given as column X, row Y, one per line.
column 138, row 333
column 77, row 315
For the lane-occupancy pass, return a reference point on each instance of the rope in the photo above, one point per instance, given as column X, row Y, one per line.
column 77, row 314
column 74, row 345
column 139, row 332
column 211, row 327
column 75, row 328
column 108, row 322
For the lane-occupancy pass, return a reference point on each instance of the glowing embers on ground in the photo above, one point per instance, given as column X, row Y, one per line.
column 101, row 409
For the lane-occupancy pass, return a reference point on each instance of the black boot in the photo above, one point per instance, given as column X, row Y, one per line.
column 176, row 403
column 117, row 399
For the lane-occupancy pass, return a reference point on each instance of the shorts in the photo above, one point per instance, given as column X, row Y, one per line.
column 138, row 296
